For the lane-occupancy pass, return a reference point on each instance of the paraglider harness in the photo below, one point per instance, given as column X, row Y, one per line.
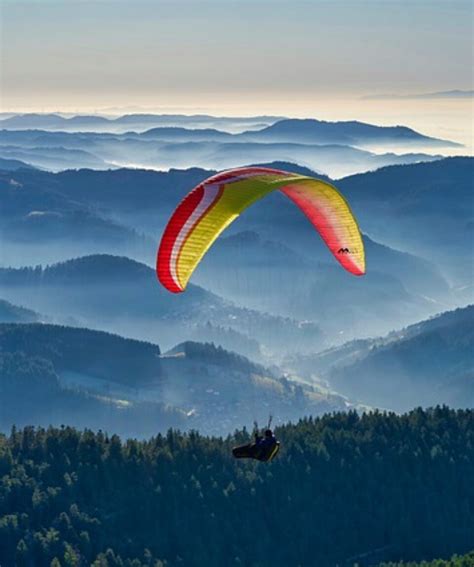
column 264, row 449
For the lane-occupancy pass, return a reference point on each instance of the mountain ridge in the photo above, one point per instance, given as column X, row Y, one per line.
column 351, row 132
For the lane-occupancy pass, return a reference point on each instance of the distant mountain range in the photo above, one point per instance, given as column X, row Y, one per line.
column 51, row 158
column 283, row 129
column 425, row 364
column 351, row 133
column 103, row 151
column 136, row 121
column 334, row 148
column 51, row 374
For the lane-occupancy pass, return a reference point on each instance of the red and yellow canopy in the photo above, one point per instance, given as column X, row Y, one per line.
column 216, row 202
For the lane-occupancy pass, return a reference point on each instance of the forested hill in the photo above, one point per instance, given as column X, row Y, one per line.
column 107, row 356
column 52, row 375
column 345, row 490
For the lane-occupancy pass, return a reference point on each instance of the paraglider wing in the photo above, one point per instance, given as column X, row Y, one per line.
column 215, row 203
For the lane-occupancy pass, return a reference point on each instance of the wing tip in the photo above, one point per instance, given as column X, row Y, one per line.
column 169, row 284
column 359, row 271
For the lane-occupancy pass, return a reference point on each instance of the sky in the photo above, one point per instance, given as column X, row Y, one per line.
column 238, row 56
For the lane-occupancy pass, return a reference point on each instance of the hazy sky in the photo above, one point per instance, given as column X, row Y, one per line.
column 74, row 54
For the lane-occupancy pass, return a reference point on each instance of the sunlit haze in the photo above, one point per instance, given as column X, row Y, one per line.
column 238, row 57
